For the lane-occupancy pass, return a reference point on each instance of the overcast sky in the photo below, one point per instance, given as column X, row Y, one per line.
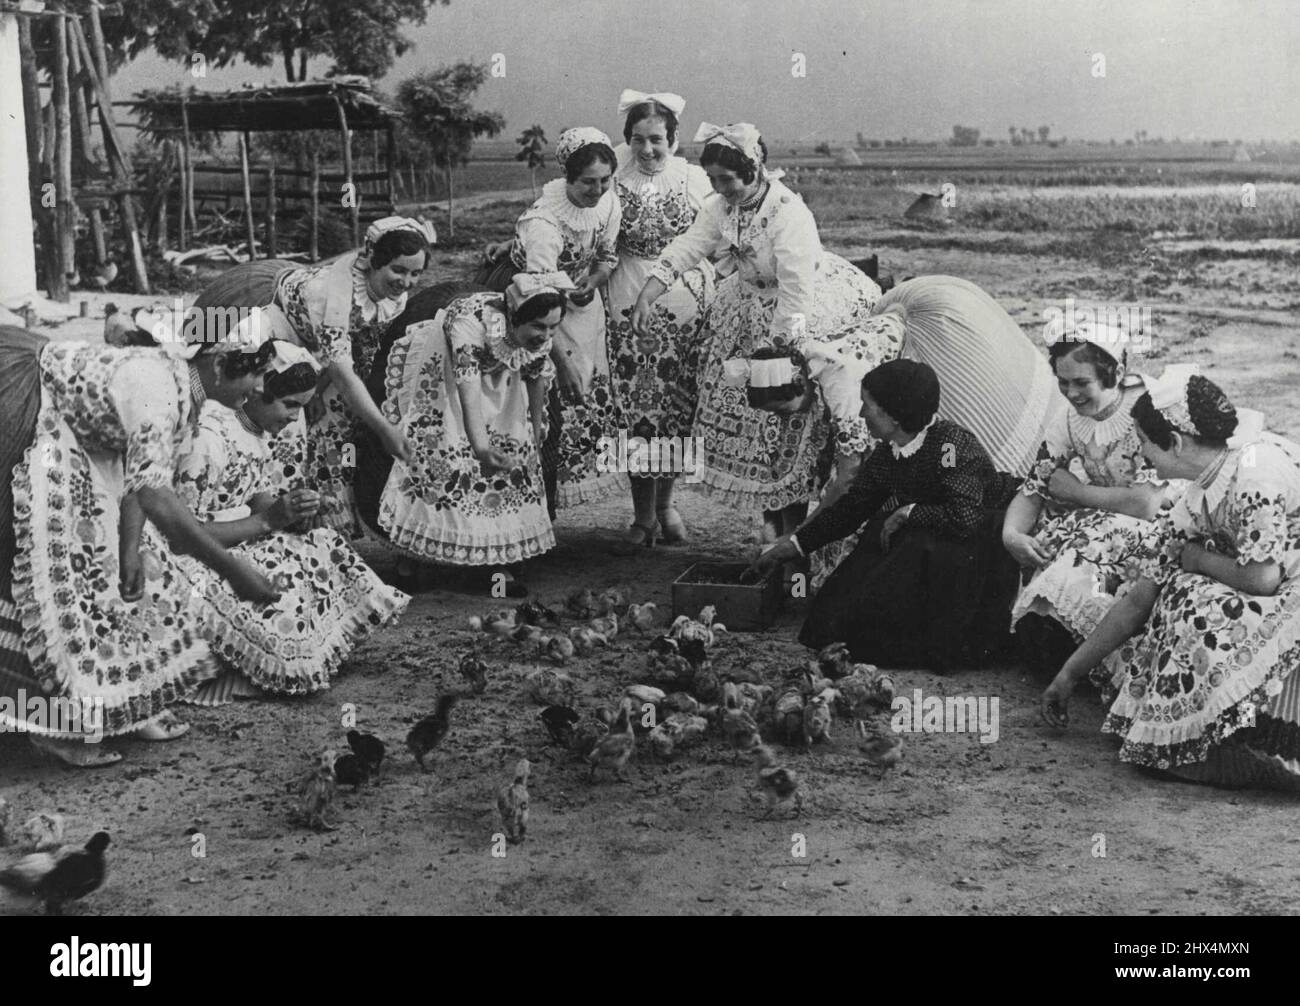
column 888, row 68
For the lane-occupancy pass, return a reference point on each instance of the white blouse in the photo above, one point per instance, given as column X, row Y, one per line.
column 555, row 235
column 774, row 247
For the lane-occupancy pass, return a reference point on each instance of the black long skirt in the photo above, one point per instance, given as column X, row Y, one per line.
column 928, row 602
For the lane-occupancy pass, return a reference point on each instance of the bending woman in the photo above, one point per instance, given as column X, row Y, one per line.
column 91, row 432
column 1201, row 652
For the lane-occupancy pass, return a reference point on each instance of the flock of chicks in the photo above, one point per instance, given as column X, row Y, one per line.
column 680, row 703
column 51, row 873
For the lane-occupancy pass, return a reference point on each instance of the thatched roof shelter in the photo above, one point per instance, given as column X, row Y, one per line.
column 282, row 108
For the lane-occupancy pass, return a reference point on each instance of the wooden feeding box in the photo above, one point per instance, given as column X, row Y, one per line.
column 742, row 607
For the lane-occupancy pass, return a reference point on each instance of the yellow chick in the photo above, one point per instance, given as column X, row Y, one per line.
column 586, row 640
column 512, row 802
column 606, row 625
column 582, row 603
column 738, row 726
column 560, row 650
column 883, row 751
column 316, row 791
column 611, row 601
column 816, row 720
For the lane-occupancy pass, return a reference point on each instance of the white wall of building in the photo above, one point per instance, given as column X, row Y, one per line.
column 17, row 253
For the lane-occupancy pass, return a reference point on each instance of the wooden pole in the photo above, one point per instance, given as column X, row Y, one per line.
column 63, row 211
column 81, row 121
column 39, row 160
column 314, row 246
column 118, row 160
column 182, row 222
column 390, row 152
column 248, row 194
column 347, row 172
column 270, row 210
column 187, row 169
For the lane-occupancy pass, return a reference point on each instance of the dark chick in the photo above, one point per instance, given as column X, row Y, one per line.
column 474, row 671
column 559, row 721
column 59, row 877
column 536, row 613
column 350, row 770
column 367, row 747
column 429, row 732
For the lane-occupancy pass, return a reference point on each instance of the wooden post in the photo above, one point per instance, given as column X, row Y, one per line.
column 81, row 121
column 63, row 209
column 347, row 171
column 118, row 161
column 182, row 222
column 39, row 158
column 270, row 210
column 390, row 155
column 314, row 247
column 248, row 194
column 187, row 170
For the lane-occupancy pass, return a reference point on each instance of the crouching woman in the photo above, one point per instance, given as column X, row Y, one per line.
column 929, row 584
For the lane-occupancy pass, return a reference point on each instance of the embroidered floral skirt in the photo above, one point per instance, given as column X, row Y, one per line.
column 83, row 642
column 1090, row 570
column 441, row 507
column 330, row 601
column 655, row 376
column 751, row 457
column 1208, row 690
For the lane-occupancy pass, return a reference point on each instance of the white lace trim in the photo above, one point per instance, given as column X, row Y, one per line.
column 384, row 310
column 913, row 445
column 514, row 357
column 1105, row 432
column 554, row 201
column 673, row 174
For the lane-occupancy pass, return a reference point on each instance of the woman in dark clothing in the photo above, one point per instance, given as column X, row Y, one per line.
column 929, row 584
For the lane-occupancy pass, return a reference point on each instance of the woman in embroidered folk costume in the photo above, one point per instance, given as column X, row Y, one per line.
column 338, row 310
column 654, row 374
column 781, row 292
column 330, row 600
column 469, row 389
column 1070, row 531
column 929, row 585
column 1200, row 653
column 573, row 228
column 91, row 435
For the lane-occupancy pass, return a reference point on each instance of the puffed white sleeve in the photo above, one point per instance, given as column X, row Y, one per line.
column 698, row 241
column 698, row 186
column 797, row 248
column 145, row 396
column 542, row 243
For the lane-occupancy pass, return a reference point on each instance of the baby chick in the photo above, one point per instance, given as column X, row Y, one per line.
column 779, row 784
column 606, row 625
column 686, row 729
column 834, row 660
column 662, row 742
column 582, row 603
column 610, row 601
column 474, row 671
column 883, row 751
column 816, row 720
column 613, row 751
column 512, row 802
column 350, row 770
column 369, row 748
column 788, row 714
column 664, row 646
column 641, row 616
column 536, row 613
column 586, row 734
column 682, row 702
column 429, row 732
column 585, row 640
column 738, row 726
column 316, row 791
column 56, row 878
column 559, row 721
column 560, row 650
column 550, row 688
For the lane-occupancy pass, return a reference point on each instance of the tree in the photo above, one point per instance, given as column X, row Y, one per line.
column 1043, row 133
column 532, row 148
column 965, row 136
column 360, row 36
column 437, row 109
column 823, row 148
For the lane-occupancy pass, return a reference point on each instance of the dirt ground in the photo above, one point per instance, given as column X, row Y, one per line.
column 960, row 827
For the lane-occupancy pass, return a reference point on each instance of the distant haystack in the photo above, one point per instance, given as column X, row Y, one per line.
column 1241, row 156
column 847, row 157
column 927, row 207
